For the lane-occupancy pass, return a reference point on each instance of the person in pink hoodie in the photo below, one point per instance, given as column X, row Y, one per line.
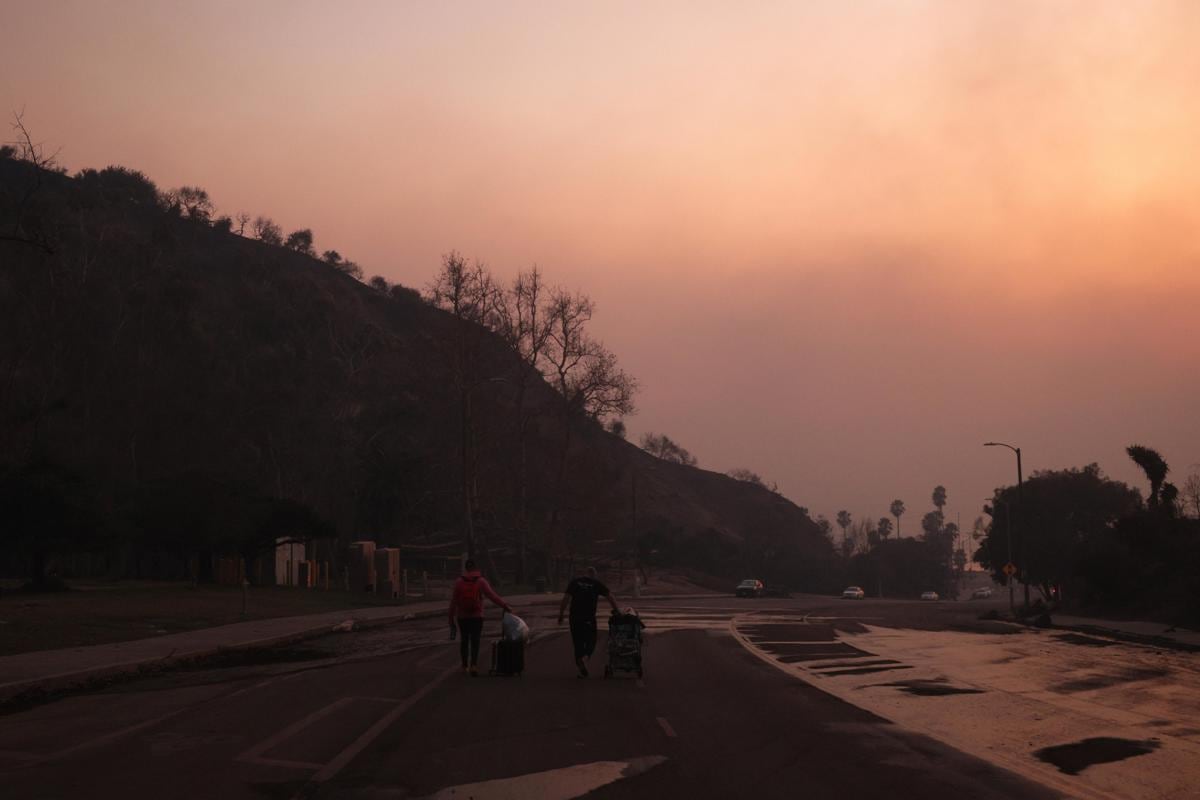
column 466, row 609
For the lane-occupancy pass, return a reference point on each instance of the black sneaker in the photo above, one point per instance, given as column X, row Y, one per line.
column 583, row 673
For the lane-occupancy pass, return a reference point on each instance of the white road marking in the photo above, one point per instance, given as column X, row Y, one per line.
column 666, row 726
column 555, row 784
column 358, row 745
column 255, row 753
column 281, row 762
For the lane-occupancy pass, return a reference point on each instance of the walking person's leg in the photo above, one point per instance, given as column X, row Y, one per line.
column 589, row 641
column 463, row 644
column 475, row 633
column 579, row 635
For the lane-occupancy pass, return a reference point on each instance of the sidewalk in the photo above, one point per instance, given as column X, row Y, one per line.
column 49, row 670
column 1156, row 633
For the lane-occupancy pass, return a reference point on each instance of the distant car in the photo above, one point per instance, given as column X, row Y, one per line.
column 853, row 593
column 929, row 596
column 750, row 587
column 982, row 593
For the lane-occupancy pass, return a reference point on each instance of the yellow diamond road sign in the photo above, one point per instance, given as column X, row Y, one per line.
column 1010, row 569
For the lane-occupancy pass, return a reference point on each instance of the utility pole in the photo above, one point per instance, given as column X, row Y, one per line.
column 637, row 551
column 1021, row 509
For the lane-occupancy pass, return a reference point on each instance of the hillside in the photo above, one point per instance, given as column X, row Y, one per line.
column 186, row 390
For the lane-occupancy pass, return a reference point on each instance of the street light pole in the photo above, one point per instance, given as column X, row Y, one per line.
column 1021, row 506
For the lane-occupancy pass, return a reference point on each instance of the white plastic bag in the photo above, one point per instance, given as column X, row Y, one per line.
column 513, row 628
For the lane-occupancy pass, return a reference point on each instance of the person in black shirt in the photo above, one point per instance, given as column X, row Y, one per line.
column 583, row 594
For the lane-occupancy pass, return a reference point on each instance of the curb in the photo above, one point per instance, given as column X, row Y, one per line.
column 1164, row 642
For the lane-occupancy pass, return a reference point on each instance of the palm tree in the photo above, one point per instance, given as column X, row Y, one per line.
column 843, row 521
column 1153, row 465
column 897, row 510
column 885, row 528
column 939, row 497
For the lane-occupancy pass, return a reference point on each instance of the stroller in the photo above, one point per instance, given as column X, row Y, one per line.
column 624, row 643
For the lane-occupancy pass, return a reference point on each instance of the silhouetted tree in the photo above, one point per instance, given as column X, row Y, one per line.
column 23, row 227
column 884, row 526
column 379, row 284
column 590, row 385
column 190, row 201
column 664, row 447
column 469, row 294
column 1168, row 497
column 1191, row 493
column 897, row 510
column 616, row 427
column 843, row 521
column 242, row 219
column 265, row 230
column 750, row 476
column 301, row 241
column 1153, row 465
column 223, row 224
column 1064, row 510
column 939, row 498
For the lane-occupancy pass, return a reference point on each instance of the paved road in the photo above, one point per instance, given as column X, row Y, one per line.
column 720, row 713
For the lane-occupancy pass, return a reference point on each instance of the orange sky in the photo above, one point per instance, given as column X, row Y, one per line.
column 840, row 244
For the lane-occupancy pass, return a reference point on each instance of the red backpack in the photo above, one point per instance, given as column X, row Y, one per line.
column 468, row 595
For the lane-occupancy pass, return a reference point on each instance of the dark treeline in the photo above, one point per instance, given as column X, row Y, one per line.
column 876, row 557
column 1086, row 540
column 176, row 384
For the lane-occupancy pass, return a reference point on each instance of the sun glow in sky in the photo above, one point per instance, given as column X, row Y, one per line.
column 841, row 244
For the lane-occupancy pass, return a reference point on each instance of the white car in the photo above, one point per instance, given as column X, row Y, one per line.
column 929, row 596
column 982, row 593
column 853, row 593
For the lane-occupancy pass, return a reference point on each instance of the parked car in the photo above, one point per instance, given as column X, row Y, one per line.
column 982, row 593
column 751, row 587
column 930, row 596
column 853, row 593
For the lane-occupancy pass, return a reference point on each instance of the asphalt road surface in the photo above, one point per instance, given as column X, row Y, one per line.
column 735, row 702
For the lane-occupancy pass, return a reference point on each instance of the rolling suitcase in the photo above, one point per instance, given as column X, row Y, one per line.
column 508, row 657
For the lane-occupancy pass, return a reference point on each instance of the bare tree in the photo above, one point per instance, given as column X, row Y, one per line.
column 522, row 321
column 190, row 201
column 666, row 448
column 23, row 148
column 469, row 293
column 242, row 219
column 265, row 230
column 1191, row 493
column 585, row 374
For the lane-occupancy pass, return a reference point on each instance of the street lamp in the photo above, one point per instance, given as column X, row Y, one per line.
column 1021, row 506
